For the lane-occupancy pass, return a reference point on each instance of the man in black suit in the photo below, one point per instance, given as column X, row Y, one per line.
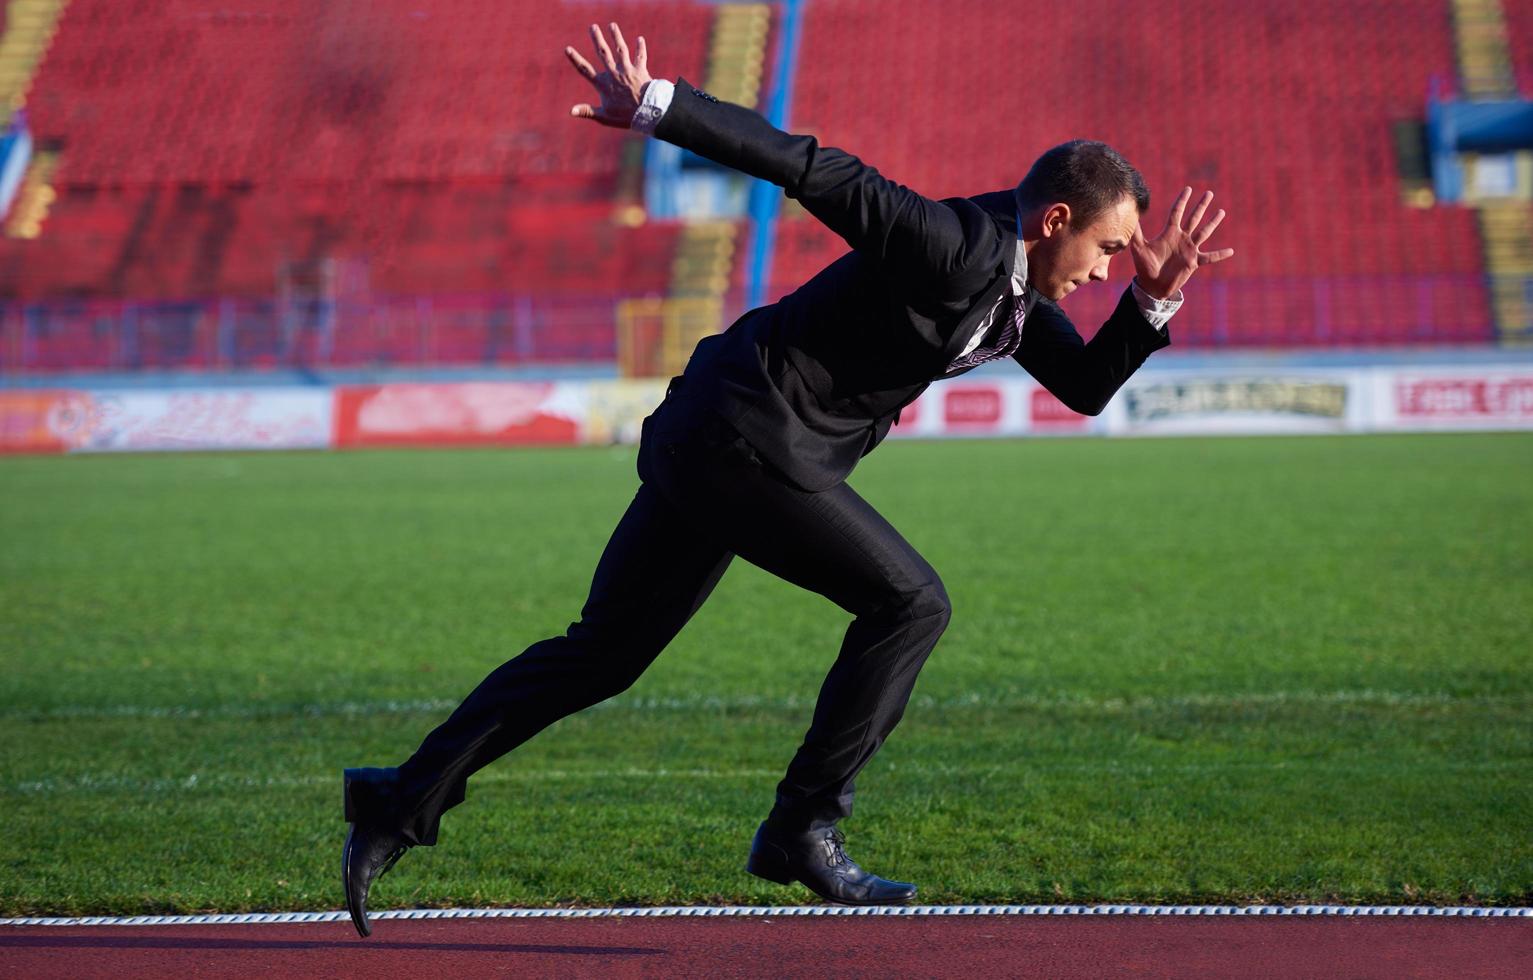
column 749, row 453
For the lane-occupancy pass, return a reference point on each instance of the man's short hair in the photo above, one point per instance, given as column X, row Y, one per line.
column 1089, row 176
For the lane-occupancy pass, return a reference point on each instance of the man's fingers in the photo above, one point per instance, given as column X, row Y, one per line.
column 581, row 65
column 603, row 53
column 583, row 111
column 1174, row 219
column 1205, row 231
column 622, row 47
column 1209, row 258
column 1198, row 212
column 643, row 54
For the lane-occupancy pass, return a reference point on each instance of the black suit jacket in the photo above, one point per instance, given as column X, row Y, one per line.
column 815, row 380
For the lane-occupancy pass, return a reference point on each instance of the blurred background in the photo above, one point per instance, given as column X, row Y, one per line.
column 327, row 196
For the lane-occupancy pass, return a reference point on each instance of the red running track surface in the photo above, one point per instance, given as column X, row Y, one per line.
column 937, row 946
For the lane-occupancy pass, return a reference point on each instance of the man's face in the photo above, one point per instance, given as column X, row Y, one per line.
column 1068, row 256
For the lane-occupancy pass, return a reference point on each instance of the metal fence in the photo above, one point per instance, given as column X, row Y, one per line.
column 242, row 334
column 519, row 330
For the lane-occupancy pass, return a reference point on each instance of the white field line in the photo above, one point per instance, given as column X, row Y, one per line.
column 716, row 911
column 90, row 782
column 220, row 781
column 713, row 703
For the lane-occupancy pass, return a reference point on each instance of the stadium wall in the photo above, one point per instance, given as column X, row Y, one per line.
column 1191, row 401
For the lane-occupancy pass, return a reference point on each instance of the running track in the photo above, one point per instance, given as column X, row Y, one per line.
column 1055, row 943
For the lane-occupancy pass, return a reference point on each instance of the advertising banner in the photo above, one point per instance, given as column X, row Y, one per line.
column 1459, row 400
column 1005, row 407
column 966, row 408
column 468, row 414
column 124, row 421
column 1237, row 402
column 972, row 408
column 31, row 420
column 207, row 418
column 615, row 410
column 1049, row 414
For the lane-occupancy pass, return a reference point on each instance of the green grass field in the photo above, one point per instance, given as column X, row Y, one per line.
column 1182, row 670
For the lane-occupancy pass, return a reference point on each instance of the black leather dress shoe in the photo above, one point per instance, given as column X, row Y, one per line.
column 815, row 859
column 371, row 847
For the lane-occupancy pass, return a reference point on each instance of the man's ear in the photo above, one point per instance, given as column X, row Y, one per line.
column 1055, row 219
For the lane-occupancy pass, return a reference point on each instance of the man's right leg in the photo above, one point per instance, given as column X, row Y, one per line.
column 656, row 571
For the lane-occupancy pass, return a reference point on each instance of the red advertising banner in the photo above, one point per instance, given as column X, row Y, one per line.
column 489, row 413
column 911, row 414
column 31, row 421
column 972, row 407
column 1489, row 399
column 1049, row 414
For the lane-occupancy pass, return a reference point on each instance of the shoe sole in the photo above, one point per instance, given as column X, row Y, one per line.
column 356, row 905
column 358, row 909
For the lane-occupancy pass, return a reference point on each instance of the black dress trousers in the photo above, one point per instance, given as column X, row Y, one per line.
column 705, row 497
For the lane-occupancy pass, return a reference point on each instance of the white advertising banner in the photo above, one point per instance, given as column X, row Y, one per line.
column 1455, row 398
column 203, row 418
column 1240, row 401
column 1004, row 407
column 615, row 410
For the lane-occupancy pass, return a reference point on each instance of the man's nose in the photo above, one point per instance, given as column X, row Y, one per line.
column 1099, row 271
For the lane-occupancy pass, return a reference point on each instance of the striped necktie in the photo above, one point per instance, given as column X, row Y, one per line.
column 1004, row 343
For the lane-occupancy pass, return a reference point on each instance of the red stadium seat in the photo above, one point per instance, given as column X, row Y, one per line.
column 1284, row 108
column 209, row 150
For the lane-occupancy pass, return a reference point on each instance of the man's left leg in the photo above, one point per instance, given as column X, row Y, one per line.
column 835, row 543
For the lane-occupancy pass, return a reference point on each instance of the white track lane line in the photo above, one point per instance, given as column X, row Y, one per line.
column 716, row 911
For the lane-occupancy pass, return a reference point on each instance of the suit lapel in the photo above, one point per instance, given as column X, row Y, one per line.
column 1001, row 210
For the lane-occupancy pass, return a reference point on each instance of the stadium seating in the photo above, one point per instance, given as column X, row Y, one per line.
column 148, row 92
column 203, row 148
column 215, row 153
column 1283, row 107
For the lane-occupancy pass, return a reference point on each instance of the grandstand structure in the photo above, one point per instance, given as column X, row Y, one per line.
column 211, row 185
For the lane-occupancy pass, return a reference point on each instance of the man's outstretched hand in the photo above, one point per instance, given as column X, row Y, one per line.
column 1163, row 264
column 621, row 85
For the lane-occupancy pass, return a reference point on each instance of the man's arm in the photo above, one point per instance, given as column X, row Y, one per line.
column 882, row 219
column 1084, row 375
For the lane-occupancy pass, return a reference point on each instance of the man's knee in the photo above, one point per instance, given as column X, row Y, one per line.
column 933, row 603
column 612, row 660
column 927, row 603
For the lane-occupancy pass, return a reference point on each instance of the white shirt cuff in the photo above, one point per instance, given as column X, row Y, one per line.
column 657, row 99
column 1157, row 311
